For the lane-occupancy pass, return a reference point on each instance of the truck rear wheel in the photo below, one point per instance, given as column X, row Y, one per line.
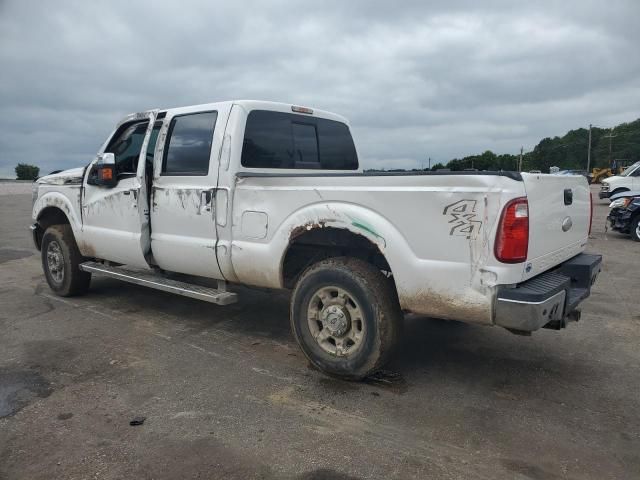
column 60, row 262
column 345, row 316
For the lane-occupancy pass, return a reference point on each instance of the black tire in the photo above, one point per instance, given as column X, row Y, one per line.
column 377, row 320
column 60, row 262
column 634, row 229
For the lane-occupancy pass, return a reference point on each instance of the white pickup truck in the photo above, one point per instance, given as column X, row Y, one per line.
column 273, row 195
column 627, row 181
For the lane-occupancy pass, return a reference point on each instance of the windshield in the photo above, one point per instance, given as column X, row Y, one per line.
column 630, row 170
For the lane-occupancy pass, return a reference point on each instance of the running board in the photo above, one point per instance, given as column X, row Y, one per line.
column 148, row 278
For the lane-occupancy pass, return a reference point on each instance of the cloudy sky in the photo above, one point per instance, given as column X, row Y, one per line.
column 439, row 79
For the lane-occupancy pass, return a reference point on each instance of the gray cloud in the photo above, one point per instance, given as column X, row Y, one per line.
column 417, row 79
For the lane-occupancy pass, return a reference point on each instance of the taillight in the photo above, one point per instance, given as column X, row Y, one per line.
column 590, row 211
column 512, row 238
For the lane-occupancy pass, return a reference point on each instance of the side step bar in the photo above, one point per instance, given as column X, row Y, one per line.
column 148, row 278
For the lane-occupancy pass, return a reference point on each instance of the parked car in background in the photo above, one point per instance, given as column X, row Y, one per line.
column 624, row 216
column 627, row 181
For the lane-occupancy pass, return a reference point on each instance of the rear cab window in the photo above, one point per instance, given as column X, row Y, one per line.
column 188, row 144
column 281, row 140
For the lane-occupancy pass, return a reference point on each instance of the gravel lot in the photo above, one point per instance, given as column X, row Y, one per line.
column 227, row 394
column 14, row 188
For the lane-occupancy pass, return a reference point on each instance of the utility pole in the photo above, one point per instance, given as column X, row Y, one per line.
column 589, row 151
column 520, row 162
column 429, row 163
column 610, row 136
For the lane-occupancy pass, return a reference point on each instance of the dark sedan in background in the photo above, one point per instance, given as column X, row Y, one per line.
column 624, row 216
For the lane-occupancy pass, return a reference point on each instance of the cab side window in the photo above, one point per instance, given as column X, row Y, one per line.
column 189, row 144
column 126, row 146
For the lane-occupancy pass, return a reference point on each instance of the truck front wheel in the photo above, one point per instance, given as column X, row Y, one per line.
column 345, row 316
column 61, row 261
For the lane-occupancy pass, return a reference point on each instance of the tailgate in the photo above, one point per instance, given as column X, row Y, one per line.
column 559, row 211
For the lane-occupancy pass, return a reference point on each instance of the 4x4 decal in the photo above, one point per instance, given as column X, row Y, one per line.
column 463, row 218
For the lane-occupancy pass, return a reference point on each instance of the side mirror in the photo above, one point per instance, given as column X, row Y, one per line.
column 106, row 170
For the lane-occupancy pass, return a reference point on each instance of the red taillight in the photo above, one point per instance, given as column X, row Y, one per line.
column 512, row 239
column 590, row 211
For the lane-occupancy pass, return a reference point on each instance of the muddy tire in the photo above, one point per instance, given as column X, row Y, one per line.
column 60, row 262
column 345, row 316
column 635, row 228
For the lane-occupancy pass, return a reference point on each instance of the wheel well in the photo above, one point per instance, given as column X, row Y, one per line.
column 320, row 243
column 51, row 216
column 619, row 190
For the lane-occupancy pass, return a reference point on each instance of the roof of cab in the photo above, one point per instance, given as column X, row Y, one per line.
column 249, row 105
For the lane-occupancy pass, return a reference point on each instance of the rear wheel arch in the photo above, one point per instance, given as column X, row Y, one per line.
column 319, row 242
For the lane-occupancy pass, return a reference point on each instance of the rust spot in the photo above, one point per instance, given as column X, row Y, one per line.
column 311, row 225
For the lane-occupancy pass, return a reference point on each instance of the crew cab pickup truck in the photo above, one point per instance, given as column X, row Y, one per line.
column 274, row 195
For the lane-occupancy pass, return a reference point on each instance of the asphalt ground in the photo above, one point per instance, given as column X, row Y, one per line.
column 227, row 394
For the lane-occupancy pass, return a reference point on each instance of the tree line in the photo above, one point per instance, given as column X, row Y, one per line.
column 568, row 152
column 618, row 146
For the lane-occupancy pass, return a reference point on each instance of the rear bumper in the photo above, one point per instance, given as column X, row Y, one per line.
column 550, row 299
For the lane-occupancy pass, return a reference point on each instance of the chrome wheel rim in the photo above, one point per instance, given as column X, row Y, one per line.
column 336, row 321
column 55, row 261
column 638, row 230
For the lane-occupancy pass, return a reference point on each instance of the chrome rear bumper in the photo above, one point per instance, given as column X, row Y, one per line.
column 550, row 299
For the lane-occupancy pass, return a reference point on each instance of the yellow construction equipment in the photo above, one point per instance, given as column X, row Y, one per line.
column 598, row 174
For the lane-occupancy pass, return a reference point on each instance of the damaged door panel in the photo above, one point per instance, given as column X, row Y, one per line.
column 115, row 220
column 183, row 210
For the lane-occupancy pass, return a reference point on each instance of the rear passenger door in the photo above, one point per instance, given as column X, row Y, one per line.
column 183, row 230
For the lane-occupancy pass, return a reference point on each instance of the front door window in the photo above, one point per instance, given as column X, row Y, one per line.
column 126, row 146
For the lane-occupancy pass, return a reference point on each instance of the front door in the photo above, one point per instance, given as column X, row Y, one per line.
column 183, row 229
column 115, row 220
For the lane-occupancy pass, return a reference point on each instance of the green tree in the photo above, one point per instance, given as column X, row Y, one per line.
column 567, row 152
column 27, row 172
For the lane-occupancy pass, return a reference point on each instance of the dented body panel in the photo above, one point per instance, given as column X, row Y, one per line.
column 436, row 231
column 440, row 257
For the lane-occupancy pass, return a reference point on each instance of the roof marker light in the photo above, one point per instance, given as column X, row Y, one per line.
column 297, row 109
